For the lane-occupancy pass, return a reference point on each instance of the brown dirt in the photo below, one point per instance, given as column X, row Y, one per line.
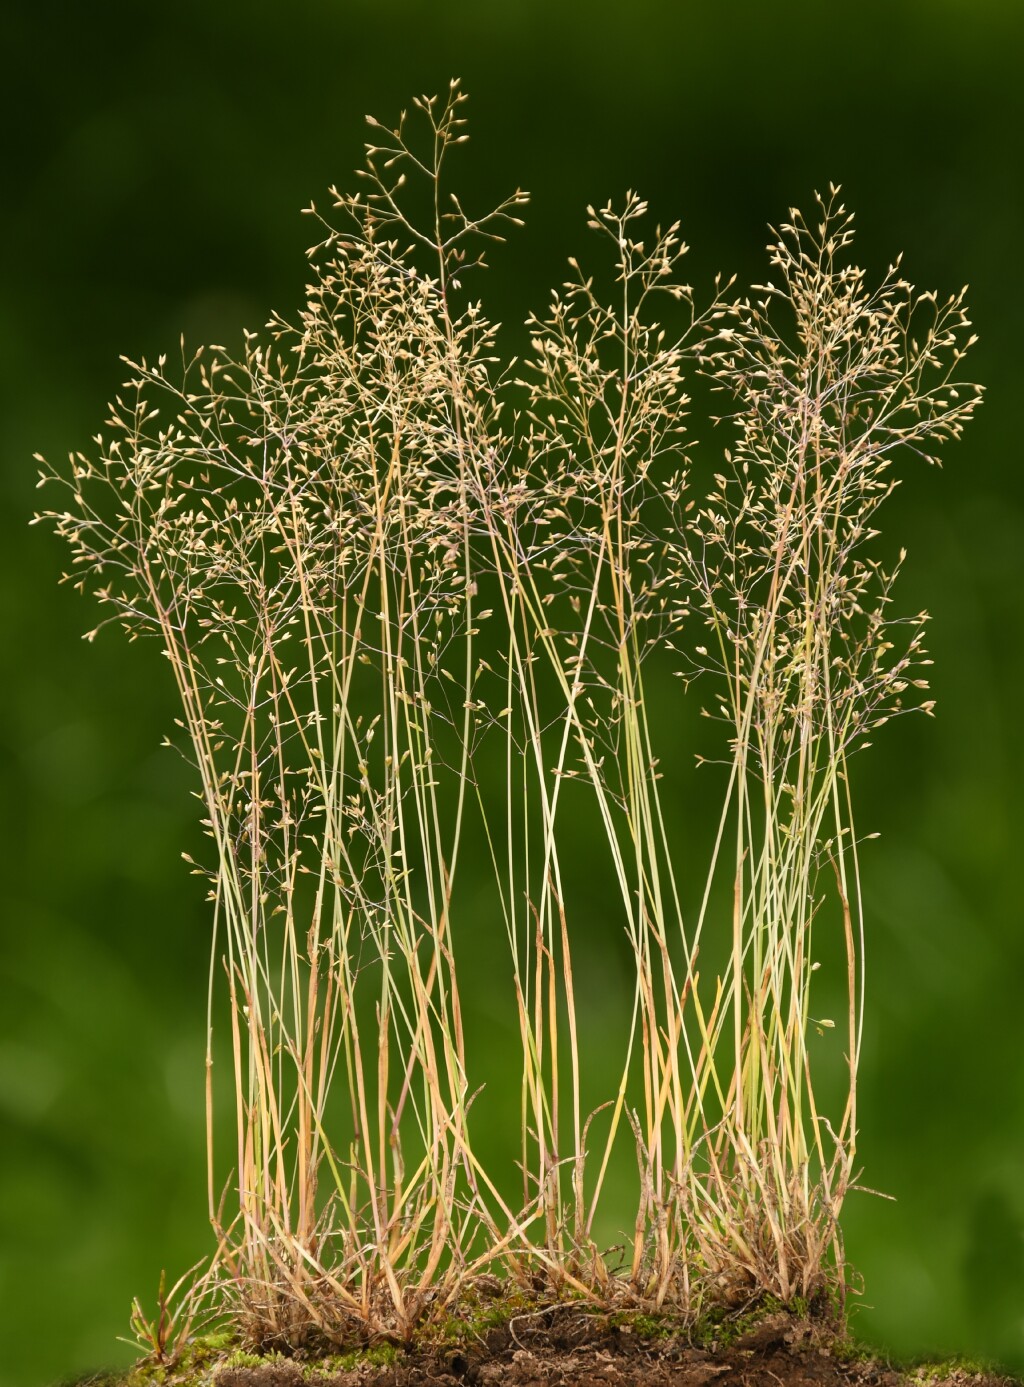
column 565, row 1349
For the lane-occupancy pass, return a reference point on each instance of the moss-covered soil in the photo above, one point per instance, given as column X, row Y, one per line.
column 572, row 1345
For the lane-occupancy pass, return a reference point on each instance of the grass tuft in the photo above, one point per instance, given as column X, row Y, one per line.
column 412, row 599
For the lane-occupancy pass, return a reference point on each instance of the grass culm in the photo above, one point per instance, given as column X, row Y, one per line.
column 409, row 596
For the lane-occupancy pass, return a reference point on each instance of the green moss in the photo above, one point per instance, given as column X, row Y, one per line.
column 241, row 1359
column 203, row 1354
column 650, row 1327
column 719, row 1327
column 217, row 1342
column 845, row 1349
column 940, row 1370
column 475, row 1315
column 375, row 1356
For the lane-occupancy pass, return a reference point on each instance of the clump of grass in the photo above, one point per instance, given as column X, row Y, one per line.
column 381, row 565
column 830, row 382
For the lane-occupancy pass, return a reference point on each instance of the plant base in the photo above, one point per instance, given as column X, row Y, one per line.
column 572, row 1345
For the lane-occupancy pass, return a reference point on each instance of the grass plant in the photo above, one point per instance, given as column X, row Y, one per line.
column 409, row 597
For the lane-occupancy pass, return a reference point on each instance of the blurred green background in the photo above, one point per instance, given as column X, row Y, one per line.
column 156, row 160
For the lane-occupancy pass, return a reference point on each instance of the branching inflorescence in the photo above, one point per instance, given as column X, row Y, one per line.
column 408, row 596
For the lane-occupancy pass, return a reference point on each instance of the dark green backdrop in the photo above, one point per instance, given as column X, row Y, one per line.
column 156, row 160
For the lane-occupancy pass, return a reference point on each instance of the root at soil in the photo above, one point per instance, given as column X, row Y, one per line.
column 565, row 1349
